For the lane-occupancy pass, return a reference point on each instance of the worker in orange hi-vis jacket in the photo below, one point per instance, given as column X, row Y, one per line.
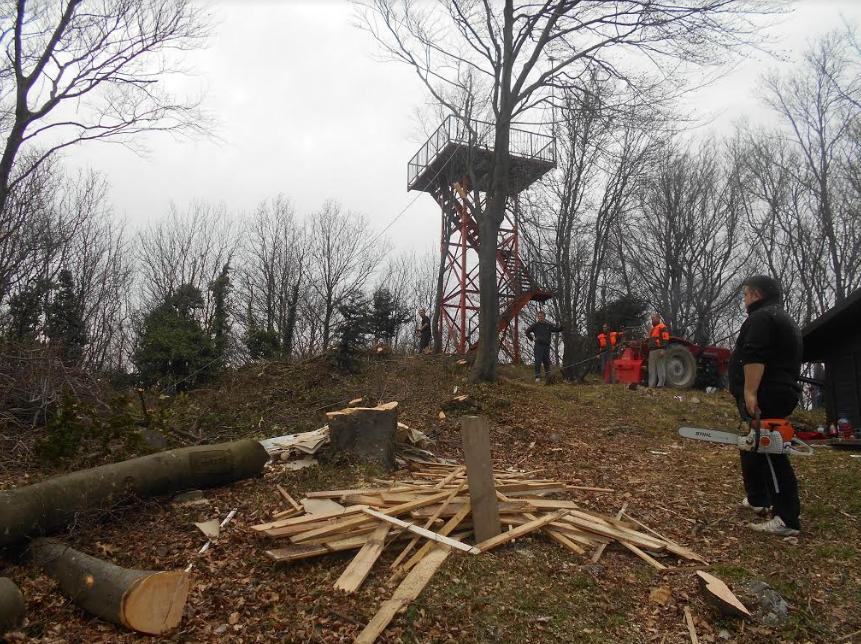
column 607, row 342
column 659, row 336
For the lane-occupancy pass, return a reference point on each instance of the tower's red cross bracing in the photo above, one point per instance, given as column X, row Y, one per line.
column 452, row 166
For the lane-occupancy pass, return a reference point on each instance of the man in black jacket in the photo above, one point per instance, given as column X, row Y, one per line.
column 540, row 333
column 764, row 369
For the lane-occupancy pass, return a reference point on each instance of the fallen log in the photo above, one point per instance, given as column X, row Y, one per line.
column 11, row 605
column 149, row 602
column 49, row 506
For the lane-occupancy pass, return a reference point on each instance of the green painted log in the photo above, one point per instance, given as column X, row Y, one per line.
column 11, row 605
column 50, row 506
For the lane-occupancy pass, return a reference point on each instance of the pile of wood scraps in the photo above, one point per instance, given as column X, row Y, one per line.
column 428, row 516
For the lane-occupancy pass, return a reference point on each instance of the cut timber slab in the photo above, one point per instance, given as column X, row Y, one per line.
column 408, row 590
column 720, row 596
column 144, row 601
column 357, row 571
column 475, row 433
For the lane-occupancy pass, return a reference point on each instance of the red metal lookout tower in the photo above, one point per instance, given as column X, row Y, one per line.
column 452, row 166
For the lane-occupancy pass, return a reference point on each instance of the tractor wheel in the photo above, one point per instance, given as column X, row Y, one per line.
column 681, row 367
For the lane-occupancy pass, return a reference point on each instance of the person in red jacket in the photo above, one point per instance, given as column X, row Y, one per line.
column 607, row 342
column 659, row 336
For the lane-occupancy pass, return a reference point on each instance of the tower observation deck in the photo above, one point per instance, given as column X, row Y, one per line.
column 453, row 166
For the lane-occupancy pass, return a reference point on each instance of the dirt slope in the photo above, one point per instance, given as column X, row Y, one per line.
column 532, row 591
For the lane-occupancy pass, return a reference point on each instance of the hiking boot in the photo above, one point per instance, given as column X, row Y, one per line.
column 758, row 510
column 537, row 379
column 774, row 526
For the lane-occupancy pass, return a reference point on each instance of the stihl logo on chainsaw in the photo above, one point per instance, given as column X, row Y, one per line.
column 767, row 436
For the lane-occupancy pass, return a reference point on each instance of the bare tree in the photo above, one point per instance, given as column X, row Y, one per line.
column 343, row 256
column 686, row 239
column 274, row 270
column 508, row 55
column 819, row 105
column 190, row 247
column 603, row 140
column 84, row 70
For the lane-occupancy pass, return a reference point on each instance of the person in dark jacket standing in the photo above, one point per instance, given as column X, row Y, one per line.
column 540, row 333
column 764, row 369
column 424, row 331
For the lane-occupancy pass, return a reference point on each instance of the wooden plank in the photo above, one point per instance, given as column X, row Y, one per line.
column 446, row 530
column 334, row 494
column 408, row 590
column 475, row 433
column 428, row 534
column 657, row 565
column 692, row 631
column 286, row 496
column 457, row 472
column 519, row 531
column 306, row 519
column 575, row 534
column 319, row 506
column 547, row 504
column 600, row 550
column 620, row 534
column 358, row 569
column 345, row 524
column 442, row 508
column 559, row 537
column 506, row 507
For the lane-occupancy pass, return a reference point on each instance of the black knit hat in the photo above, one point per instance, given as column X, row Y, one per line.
column 768, row 286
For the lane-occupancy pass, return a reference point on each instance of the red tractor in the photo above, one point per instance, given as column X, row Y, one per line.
column 687, row 364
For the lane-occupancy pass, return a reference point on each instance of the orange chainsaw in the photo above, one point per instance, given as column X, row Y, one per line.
column 766, row 436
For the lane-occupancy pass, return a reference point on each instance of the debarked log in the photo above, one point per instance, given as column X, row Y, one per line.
column 49, row 506
column 145, row 601
column 11, row 605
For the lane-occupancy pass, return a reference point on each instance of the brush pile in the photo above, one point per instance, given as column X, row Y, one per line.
column 427, row 516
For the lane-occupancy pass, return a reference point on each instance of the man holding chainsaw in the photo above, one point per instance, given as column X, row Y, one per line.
column 764, row 369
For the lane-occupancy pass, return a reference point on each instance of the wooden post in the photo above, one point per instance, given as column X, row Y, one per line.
column 475, row 432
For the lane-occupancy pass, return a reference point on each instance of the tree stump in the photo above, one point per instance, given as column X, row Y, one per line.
column 145, row 601
column 51, row 505
column 366, row 433
column 11, row 605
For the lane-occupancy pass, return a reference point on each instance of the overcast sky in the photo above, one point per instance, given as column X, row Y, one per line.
column 304, row 108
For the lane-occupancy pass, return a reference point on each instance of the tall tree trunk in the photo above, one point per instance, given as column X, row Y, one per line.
column 290, row 327
column 484, row 369
column 436, row 323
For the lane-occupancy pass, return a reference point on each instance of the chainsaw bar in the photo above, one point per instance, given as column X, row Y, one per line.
column 710, row 435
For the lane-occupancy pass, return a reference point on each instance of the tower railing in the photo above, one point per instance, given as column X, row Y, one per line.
column 478, row 134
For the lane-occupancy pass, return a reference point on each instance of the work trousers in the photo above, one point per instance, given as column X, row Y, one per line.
column 657, row 368
column 769, row 480
column 424, row 341
column 607, row 366
column 542, row 357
